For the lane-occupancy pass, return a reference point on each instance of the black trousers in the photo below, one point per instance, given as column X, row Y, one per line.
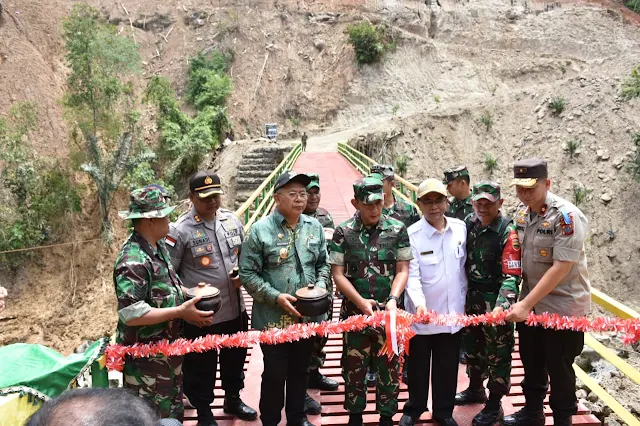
column 548, row 355
column 286, row 363
column 200, row 369
column 435, row 354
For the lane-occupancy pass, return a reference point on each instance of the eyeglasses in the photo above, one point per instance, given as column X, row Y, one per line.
column 433, row 202
column 294, row 194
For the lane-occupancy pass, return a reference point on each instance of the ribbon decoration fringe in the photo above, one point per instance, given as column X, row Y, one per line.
column 115, row 354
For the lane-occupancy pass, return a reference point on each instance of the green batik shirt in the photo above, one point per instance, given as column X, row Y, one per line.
column 276, row 259
column 369, row 256
column 459, row 209
column 144, row 278
column 324, row 217
column 493, row 258
column 403, row 211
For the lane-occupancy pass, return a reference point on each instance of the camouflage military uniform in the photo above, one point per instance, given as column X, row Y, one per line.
column 369, row 259
column 144, row 278
column 324, row 217
column 493, row 281
column 402, row 211
column 459, row 209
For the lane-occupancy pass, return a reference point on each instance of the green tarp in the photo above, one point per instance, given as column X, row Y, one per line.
column 41, row 371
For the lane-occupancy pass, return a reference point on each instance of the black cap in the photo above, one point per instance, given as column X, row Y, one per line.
column 291, row 176
column 527, row 172
column 205, row 184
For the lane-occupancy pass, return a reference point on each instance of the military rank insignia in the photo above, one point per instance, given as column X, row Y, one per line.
column 566, row 223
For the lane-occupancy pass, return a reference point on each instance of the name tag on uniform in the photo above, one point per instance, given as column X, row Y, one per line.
column 282, row 243
column 236, row 241
column 426, row 253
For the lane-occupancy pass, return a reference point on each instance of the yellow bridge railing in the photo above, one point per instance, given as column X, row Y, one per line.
column 363, row 163
column 261, row 201
column 408, row 191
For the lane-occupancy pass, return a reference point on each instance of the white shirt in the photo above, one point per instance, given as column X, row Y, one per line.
column 437, row 277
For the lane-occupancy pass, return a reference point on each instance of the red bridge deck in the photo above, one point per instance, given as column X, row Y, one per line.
column 336, row 177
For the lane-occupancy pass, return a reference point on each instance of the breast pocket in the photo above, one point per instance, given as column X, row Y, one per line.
column 387, row 262
column 543, row 253
column 162, row 299
column 234, row 244
column 203, row 257
column 428, row 267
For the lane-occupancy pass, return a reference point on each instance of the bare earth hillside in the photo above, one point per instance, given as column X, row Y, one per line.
column 453, row 63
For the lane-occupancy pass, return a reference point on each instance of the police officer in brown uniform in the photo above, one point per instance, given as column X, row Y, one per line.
column 551, row 231
column 204, row 245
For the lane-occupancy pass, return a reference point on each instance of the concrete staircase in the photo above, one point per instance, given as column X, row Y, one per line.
column 256, row 165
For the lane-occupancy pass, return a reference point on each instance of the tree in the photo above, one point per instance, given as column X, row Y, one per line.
column 40, row 193
column 100, row 99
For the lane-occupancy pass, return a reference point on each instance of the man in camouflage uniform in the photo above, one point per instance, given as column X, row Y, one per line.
column 204, row 245
column 458, row 185
column 394, row 207
column 150, row 303
column 316, row 379
column 458, row 182
column 304, row 141
column 283, row 253
column 493, row 273
column 369, row 257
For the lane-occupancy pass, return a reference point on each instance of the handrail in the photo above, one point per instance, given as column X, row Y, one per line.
column 363, row 164
column 611, row 356
column 612, row 305
column 617, row 408
column 264, row 191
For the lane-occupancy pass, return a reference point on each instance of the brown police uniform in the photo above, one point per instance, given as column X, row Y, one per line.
column 556, row 233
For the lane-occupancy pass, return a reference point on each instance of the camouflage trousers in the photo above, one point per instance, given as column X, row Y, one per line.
column 360, row 350
column 158, row 380
column 488, row 348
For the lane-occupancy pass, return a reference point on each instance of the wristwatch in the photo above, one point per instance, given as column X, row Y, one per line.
column 391, row 297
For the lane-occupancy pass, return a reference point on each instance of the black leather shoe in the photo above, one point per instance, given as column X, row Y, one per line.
column 303, row 422
column 319, row 381
column 406, row 420
column 386, row 421
column 311, row 406
column 525, row 417
column 355, row 419
column 205, row 418
column 562, row 421
column 371, row 378
column 233, row 405
column 488, row 417
column 470, row 396
column 445, row 422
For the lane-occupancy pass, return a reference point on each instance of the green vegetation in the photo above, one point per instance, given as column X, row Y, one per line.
column 437, row 99
column 185, row 140
column 99, row 102
column 572, row 148
column 490, row 164
column 295, row 122
column 557, row 105
column 633, row 5
column 395, row 109
column 402, row 164
column 487, row 120
column 40, row 192
column 631, row 86
column 370, row 41
column 580, row 194
column 634, row 167
column 563, row 68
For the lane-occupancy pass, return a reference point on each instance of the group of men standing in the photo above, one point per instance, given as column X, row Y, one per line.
column 458, row 255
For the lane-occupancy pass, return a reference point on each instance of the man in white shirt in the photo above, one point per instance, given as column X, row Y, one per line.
column 437, row 281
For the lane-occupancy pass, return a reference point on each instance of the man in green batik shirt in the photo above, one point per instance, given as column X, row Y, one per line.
column 493, row 272
column 284, row 252
column 369, row 257
column 316, row 379
column 150, row 303
column 394, row 207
